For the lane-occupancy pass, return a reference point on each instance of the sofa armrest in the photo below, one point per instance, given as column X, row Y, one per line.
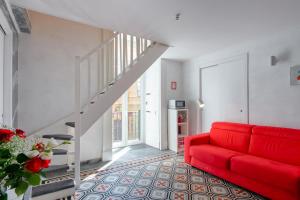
column 194, row 140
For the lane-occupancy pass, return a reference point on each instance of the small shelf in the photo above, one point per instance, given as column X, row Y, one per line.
column 181, row 109
column 178, row 128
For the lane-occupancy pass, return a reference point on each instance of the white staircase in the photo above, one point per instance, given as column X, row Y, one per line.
column 104, row 74
column 121, row 70
column 101, row 77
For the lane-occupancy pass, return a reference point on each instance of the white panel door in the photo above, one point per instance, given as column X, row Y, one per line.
column 224, row 93
column 152, row 134
column 1, row 74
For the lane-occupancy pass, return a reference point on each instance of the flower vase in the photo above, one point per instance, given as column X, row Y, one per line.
column 11, row 195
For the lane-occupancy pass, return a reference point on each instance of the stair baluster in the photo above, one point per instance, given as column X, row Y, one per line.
column 77, row 121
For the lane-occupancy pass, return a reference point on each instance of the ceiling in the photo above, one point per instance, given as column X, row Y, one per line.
column 205, row 25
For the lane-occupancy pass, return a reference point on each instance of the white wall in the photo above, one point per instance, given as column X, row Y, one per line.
column 272, row 100
column 47, row 79
column 97, row 141
column 172, row 71
column 46, row 67
column 107, row 135
column 91, row 142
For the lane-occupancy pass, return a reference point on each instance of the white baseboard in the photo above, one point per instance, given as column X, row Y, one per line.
column 107, row 155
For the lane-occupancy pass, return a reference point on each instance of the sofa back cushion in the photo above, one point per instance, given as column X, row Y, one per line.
column 279, row 144
column 231, row 136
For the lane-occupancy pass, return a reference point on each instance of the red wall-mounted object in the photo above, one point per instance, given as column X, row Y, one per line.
column 173, row 85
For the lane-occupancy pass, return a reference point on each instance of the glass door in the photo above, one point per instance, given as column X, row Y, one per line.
column 126, row 117
column 134, row 113
column 117, row 126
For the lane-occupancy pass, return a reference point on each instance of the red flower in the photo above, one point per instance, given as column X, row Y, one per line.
column 40, row 147
column 34, row 165
column 20, row 133
column 46, row 163
column 6, row 135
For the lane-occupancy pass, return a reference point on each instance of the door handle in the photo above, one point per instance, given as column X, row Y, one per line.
column 148, row 93
column 148, row 111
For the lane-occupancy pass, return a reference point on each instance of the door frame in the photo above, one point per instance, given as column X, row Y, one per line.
column 245, row 58
column 161, row 113
column 125, row 142
column 8, row 84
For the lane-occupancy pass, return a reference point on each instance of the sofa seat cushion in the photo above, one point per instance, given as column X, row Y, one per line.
column 214, row 155
column 268, row 171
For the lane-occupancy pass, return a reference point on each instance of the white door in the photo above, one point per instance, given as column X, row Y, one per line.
column 224, row 93
column 152, row 133
column 2, row 35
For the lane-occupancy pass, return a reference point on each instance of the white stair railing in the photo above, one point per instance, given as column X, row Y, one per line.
column 97, row 71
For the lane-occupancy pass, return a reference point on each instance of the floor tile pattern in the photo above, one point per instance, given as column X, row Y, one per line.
column 166, row 178
column 115, row 166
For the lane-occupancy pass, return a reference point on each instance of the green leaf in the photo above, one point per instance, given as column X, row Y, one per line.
column 26, row 174
column 43, row 174
column 34, row 179
column 12, row 168
column 21, row 188
column 66, row 142
column 3, row 196
column 21, row 158
column 3, row 161
column 4, row 153
column 10, row 182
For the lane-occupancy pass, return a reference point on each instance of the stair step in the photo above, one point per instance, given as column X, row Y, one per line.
column 59, row 152
column 71, row 124
column 54, row 168
column 54, row 187
column 59, row 136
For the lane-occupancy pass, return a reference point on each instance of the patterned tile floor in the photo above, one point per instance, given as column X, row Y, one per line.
column 167, row 177
column 137, row 152
column 128, row 156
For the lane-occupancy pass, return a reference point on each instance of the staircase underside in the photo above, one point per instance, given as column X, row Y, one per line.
column 105, row 100
column 89, row 114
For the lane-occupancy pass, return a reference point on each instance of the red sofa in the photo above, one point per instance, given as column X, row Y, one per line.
column 263, row 159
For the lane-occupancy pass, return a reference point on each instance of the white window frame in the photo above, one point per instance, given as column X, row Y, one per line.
column 7, row 71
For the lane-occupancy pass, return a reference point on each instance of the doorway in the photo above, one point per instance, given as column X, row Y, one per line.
column 127, row 117
column 152, row 107
column 224, row 91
